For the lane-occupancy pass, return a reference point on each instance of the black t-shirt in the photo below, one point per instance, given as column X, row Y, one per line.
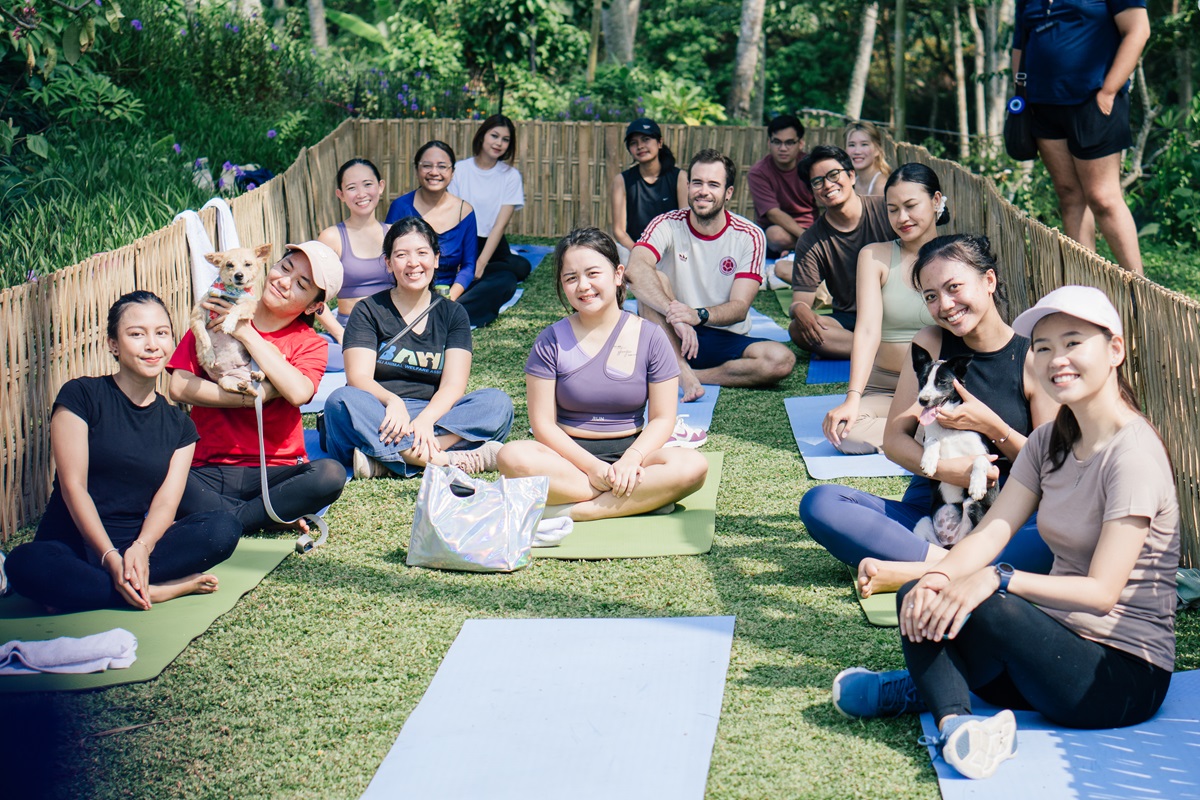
column 129, row 454
column 411, row 367
column 997, row 379
column 645, row 201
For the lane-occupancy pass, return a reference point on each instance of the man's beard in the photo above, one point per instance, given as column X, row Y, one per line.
column 718, row 207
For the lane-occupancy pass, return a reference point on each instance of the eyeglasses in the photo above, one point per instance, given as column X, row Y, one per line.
column 833, row 176
column 426, row 167
column 784, row 142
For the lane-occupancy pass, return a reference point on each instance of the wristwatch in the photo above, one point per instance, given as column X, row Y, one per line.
column 1005, row 573
column 703, row 314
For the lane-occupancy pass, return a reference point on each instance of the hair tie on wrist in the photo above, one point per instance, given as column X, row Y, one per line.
column 106, row 552
column 848, row 391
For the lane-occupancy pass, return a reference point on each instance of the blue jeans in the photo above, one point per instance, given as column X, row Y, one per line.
column 853, row 525
column 353, row 417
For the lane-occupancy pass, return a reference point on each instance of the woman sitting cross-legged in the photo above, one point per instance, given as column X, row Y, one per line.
column 108, row 537
column 1003, row 401
column 588, row 380
column 1092, row 644
column 408, row 357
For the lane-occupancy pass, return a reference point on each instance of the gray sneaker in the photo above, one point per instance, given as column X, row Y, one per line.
column 977, row 746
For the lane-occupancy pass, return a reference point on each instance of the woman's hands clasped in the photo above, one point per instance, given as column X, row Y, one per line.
column 131, row 574
column 938, row 607
column 620, row 478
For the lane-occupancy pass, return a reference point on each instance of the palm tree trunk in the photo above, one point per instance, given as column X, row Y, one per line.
column 862, row 61
column 960, row 84
column 746, row 61
column 316, row 23
column 899, row 89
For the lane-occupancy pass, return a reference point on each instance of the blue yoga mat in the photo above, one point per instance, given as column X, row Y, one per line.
column 330, row 382
column 822, row 370
column 821, row 459
column 534, row 709
column 700, row 412
column 1157, row 759
column 312, row 446
column 535, row 253
column 761, row 326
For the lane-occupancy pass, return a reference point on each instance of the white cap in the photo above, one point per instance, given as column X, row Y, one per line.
column 326, row 266
column 1083, row 302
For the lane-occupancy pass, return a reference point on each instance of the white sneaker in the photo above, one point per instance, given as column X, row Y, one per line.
column 367, row 467
column 977, row 746
column 685, row 435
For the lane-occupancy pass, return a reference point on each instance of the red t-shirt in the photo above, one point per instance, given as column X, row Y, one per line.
column 229, row 436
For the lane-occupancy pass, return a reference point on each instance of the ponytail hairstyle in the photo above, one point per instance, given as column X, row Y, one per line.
column 341, row 173
column 1066, row 432
column 139, row 297
column 973, row 251
column 666, row 159
column 592, row 239
column 923, row 176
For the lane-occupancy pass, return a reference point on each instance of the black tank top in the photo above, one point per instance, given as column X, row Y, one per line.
column 998, row 379
column 645, row 201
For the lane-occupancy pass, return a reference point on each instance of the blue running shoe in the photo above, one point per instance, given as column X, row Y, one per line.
column 977, row 746
column 859, row 692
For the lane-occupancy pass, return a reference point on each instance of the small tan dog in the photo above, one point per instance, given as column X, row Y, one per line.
column 241, row 279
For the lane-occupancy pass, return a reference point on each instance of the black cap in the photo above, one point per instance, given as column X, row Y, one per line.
column 643, row 126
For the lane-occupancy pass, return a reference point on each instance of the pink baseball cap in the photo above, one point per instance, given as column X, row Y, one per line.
column 326, row 266
column 1083, row 302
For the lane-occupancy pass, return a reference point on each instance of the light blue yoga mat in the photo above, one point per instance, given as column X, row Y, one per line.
column 330, row 382
column 822, row 459
column 534, row 253
column 312, row 446
column 761, row 326
column 544, row 709
column 700, row 412
column 1157, row 759
column 821, row 370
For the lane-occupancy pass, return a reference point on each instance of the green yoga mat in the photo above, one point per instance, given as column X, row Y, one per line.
column 162, row 632
column 689, row 531
column 784, row 296
column 879, row 608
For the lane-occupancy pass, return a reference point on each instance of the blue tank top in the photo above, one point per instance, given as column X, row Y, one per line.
column 362, row 277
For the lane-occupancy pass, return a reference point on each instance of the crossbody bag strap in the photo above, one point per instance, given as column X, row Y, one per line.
column 437, row 298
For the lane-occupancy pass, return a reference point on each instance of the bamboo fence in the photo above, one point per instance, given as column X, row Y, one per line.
column 53, row 329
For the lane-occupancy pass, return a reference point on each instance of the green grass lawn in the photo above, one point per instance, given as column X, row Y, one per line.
column 302, row 688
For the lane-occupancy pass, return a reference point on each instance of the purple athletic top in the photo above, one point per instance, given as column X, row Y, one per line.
column 590, row 397
column 362, row 277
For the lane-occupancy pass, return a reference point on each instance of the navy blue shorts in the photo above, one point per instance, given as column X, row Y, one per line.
column 718, row 346
column 847, row 319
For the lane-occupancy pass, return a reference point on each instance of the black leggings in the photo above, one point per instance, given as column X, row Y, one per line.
column 483, row 298
column 65, row 575
column 295, row 491
column 1016, row 656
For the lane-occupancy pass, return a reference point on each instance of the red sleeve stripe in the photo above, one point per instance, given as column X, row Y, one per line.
column 650, row 247
column 753, row 275
column 758, row 239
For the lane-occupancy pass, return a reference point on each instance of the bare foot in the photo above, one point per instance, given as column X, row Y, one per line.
column 875, row 576
column 692, row 390
column 193, row 584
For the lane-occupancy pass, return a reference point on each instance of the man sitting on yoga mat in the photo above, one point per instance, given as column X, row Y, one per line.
column 1091, row 645
column 225, row 470
column 709, row 269
column 828, row 251
column 588, row 380
column 122, row 454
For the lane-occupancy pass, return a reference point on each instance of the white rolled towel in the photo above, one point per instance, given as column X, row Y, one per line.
column 550, row 532
column 115, row 649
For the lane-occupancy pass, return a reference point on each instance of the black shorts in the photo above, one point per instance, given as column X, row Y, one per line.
column 607, row 450
column 847, row 319
column 1089, row 134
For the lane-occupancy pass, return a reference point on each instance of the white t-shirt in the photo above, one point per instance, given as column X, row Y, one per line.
column 487, row 190
column 702, row 268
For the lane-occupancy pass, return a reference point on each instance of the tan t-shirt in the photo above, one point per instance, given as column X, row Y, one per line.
column 1130, row 477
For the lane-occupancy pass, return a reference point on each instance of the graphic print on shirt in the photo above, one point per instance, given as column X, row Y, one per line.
column 424, row 362
column 728, row 266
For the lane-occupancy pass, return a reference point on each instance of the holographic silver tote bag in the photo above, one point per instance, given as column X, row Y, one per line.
column 465, row 523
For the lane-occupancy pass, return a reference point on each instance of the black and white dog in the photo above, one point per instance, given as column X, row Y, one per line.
column 954, row 513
